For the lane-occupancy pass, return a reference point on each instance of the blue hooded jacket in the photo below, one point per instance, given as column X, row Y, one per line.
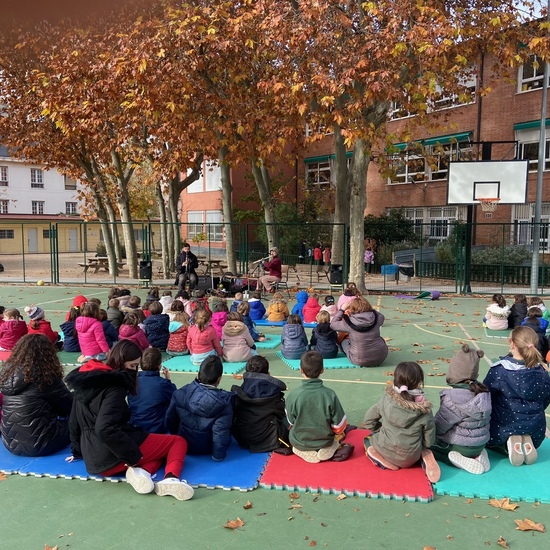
column 203, row 415
column 157, row 331
column 301, row 299
column 257, row 309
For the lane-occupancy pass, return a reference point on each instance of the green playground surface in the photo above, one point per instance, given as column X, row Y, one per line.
column 86, row 515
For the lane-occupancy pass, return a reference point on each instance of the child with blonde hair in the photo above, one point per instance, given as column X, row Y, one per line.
column 403, row 424
column 202, row 339
column 520, row 393
column 323, row 338
column 277, row 310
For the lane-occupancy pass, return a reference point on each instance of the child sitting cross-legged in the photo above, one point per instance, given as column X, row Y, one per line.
column 238, row 345
column 539, row 324
column 294, row 339
column 156, row 326
column 202, row 413
column 259, row 423
column 277, row 309
column 403, row 424
column 257, row 308
column 238, row 299
column 464, row 416
column 323, row 338
column 315, row 415
column 179, row 327
column 244, row 310
column 148, row 406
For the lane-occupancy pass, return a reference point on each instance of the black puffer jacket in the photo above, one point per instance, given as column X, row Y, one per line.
column 35, row 419
column 324, row 340
column 156, row 330
column 100, row 430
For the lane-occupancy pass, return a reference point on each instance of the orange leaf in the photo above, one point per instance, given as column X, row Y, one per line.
column 313, row 543
column 529, row 525
column 502, row 542
column 294, row 495
column 503, row 504
column 3, row 477
column 248, row 505
column 429, row 548
column 238, row 376
column 46, row 547
column 234, row 524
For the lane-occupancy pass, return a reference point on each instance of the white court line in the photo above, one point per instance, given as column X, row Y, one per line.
column 487, row 360
column 454, row 337
column 68, row 298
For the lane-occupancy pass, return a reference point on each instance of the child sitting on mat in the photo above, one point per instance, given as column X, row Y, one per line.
column 311, row 309
column 178, row 327
column 237, row 301
column 12, row 329
column 535, row 321
column 518, row 311
column 520, row 393
column 219, row 315
column 497, row 313
column 257, row 308
column 148, row 406
column 202, row 339
column 91, row 337
column 403, row 424
column 244, row 310
column 39, row 325
column 294, row 339
column 259, row 423
column 462, row 421
column 323, row 338
column 202, row 413
column 277, row 310
column 535, row 301
column 315, row 415
column 330, row 306
column 238, row 345
column 301, row 299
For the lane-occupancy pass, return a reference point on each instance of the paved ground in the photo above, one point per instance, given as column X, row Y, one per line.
column 89, row 515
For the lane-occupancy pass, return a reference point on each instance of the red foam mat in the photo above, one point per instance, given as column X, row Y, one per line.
column 4, row 355
column 357, row 476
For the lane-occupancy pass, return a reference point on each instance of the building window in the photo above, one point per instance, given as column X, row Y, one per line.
column 37, row 178
column 4, row 205
column 416, row 215
column 408, row 166
column 45, row 233
column 318, row 173
column 214, row 221
column 70, row 184
column 70, row 207
column 531, row 74
column 195, row 221
column 529, row 148
column 38, row 207
column 4, row 176
column 7, row 234
column 445, row 100
column 138, row 235
column 212, row 176
column 440, row 222
column 523, row 216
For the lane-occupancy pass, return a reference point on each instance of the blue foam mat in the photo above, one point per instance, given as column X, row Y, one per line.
column 339, row 362
column 241, row 470
column 503, row 480
column 183, row 363
column 271, row 342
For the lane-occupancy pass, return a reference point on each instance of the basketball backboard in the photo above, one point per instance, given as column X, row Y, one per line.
column 505, row 180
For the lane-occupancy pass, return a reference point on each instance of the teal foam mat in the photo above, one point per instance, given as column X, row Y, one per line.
column 340, row 362
column 183, row 363
column 497, row 333
column 271, row 342
column 527, row 483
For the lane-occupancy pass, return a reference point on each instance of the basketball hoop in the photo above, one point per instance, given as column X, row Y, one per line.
column 489, row 204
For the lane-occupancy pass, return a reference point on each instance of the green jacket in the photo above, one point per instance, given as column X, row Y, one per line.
column 401, row 428
column 315, row 414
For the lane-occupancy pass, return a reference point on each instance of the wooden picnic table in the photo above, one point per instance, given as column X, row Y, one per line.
column 99, row 263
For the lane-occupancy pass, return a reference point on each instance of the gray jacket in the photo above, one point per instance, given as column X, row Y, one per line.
column 463, row 418
column 367, row 348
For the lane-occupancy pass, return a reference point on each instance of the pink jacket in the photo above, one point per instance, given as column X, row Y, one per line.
column 218, row 321
column 11, row 331
column 332, row 310
column 135, row 334
column 203, row 342
column 90, row 336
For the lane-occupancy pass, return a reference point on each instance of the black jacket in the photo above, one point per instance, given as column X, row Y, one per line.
column 34, row 419
column 518, row 312
column 189, row 268
column 99, row 424
column 156, row 330
column 324, row 340
column 259, row 420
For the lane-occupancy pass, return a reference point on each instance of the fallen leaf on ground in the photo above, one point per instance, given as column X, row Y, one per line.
column 234, row 523
column 323, row 524
column 341, row 496
column 46, row 547
column 248, row 505
column 387, row 338
column 294, row 506
column 438, row 347
column 238, row 376
column 313, row 543
column 504, row 504
column 529, row 525
column 388, row 373
column 395, row 349
column 294, row 495
column 419, row 345
column 429, row 548
column 502, row 542
column 4, row 476
column 480, row 517
column 262, row 514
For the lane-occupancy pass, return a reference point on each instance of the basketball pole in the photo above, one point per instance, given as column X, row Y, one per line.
column 540, row 172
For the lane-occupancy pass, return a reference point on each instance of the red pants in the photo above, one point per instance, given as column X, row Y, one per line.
column 156, row 449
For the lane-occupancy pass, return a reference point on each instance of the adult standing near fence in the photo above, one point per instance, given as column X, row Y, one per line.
column 186, row 263
column 274, row 267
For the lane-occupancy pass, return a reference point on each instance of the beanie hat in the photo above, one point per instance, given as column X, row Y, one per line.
column 464, row 365
column 35, row 313
column 79, row 301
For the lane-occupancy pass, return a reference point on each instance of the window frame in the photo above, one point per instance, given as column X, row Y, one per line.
column 71, row 210
column 4, row 206
column 7, row 234
column 37, row 178
column 194, row 227
column 38, row 207
column 4, row 176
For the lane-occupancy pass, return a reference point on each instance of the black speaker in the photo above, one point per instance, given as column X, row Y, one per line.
column 336, row 276
column 145, row 269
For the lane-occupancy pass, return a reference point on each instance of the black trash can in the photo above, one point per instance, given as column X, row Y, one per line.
column 145, row 269
column 406, row 271
column 336, row 275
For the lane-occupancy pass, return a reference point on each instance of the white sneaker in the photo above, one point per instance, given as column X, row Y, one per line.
column 172, row 487
column 464, row 463
column 483, row 459
column 140, row 480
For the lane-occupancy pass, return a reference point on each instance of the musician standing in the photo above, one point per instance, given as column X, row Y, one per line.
column 275, row 271
column 186, row 263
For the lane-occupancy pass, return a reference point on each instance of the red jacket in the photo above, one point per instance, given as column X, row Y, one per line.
column 203, row 342
column 310, row 310
column 275, row 267
column 44, row 327
column 11, row 331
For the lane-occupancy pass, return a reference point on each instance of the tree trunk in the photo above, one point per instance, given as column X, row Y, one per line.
column 163, row 231
column 341, row 198
column 227, row 208
column 358, row 203
column 263, row 184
